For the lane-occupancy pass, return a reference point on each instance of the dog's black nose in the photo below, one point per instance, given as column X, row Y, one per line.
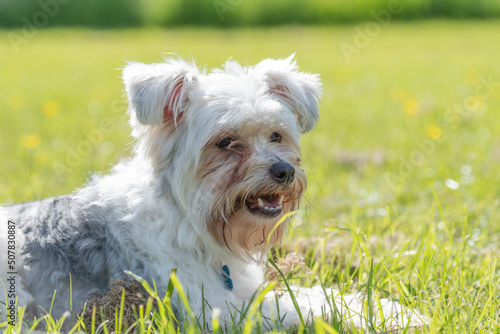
column 283, row 172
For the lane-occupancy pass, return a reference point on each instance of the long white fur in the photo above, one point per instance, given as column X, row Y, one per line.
column 156, row 208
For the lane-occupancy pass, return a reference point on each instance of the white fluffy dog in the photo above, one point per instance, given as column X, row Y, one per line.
column 216, row 166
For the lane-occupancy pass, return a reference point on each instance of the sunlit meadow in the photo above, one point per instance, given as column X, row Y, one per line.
column 402, row 167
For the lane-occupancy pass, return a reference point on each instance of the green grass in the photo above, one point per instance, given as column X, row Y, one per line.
column 383, row 163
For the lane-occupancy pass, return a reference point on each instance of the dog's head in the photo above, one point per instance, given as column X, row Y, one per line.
column 224, row 145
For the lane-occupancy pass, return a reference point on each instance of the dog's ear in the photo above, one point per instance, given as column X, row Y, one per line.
column 299, row 90
column 158, row 93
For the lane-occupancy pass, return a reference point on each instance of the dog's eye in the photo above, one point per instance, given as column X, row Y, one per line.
column 275, row 137
column 224, row 143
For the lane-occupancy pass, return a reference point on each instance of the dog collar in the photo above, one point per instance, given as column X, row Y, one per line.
column 228, row 282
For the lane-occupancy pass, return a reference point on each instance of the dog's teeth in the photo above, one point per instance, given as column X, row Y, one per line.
column 266, row 207
column 281, row 199
column 261, row 203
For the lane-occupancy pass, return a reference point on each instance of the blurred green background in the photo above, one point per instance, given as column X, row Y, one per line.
column 134, row 13
column 381, row 106
column 389, row 134
column 405, row 154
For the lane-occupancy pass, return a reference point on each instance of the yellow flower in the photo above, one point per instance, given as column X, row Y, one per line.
column 31, row 141
column 342, row 75
column 471, row 76
column 42, row 158
column 398, row 94
column 434, row 132
column 475, row 104
column 50, row 108
column 100, row 92
column 411, row 107
column 16, row 101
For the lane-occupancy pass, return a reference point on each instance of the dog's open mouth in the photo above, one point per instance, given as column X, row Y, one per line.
column 268, row 206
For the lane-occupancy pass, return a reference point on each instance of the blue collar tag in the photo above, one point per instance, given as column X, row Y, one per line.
column 228, row 283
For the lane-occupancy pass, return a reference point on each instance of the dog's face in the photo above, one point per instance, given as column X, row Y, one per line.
column 225, row 145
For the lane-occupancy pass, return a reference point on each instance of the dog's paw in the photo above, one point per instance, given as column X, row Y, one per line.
column 354, row 309
column 311, row 302
column 349, row 309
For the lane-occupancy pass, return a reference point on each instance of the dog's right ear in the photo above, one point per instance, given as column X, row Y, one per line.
column 159, row 93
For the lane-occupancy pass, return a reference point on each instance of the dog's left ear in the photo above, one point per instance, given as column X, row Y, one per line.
column 159, row 93
column 299, row 90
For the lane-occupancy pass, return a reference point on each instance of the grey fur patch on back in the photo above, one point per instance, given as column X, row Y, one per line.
column 65, row 240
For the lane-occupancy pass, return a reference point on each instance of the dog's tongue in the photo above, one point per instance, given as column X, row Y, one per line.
column 269, row 201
